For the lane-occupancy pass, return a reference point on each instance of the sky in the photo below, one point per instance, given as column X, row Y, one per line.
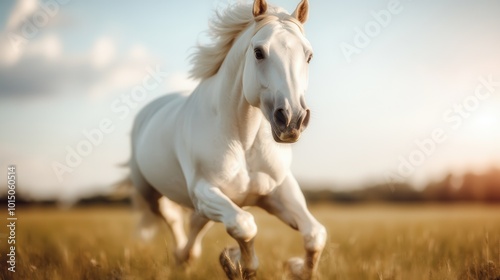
column 399, row 90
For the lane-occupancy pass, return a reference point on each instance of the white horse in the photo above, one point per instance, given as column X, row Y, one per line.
column 226, row 145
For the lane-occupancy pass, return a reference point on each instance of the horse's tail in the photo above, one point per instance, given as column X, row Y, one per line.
column 122, row 189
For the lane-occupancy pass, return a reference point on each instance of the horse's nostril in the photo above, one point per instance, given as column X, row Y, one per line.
column 280, row 117
column 300, row 121
column 305, row 122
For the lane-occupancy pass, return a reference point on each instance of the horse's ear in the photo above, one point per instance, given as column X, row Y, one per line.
column 302, row 11
column 259, row 7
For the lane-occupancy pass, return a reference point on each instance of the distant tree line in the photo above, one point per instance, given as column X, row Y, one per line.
column 468, row 188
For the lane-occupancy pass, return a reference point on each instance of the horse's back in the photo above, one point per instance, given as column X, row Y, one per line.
column 151, row 109
column 153, row 146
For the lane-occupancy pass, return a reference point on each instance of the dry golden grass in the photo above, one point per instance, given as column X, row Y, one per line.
column 365, row 242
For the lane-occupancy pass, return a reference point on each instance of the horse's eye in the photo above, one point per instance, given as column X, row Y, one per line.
column 259, row 55
column 309, row 58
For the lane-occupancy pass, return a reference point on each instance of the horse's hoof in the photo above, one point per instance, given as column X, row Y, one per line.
column 296, row 270
column 181, row 258
column 185, row 258
column 229, row 260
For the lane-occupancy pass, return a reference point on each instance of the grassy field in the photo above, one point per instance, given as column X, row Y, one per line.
column 365, row 242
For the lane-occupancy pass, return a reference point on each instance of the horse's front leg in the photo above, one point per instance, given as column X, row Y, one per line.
column 287, row 203
column 238, row 263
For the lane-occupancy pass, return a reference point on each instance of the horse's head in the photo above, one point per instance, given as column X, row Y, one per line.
column 276, row 70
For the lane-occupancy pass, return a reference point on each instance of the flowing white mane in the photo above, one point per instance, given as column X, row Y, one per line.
column 224, row 28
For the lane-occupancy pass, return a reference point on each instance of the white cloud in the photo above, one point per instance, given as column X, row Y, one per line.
column 45, row 69
column 138, row 52
column 27, row 21
column 22, row 10
column 103, row 52
column 49, row 46
column 12, row 42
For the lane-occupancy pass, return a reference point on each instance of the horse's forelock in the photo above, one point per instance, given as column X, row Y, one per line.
column 265, row 19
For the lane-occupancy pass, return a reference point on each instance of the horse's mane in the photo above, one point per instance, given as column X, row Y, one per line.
column 224, row 28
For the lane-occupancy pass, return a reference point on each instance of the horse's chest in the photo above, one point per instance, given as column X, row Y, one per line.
column 262, row 176
column 251, row 174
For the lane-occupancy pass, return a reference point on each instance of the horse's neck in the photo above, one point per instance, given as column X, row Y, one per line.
column 237, row 116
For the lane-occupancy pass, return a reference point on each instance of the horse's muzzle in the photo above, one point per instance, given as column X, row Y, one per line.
column 287, row 129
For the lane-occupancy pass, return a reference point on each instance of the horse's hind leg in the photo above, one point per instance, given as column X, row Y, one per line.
column 154, row 206
column 198, row 226
column 173, row 214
